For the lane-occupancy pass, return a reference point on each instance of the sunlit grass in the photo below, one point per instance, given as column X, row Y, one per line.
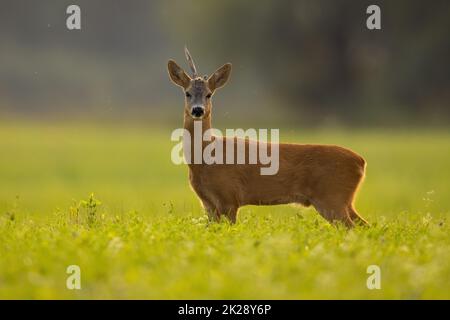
column 149, row 238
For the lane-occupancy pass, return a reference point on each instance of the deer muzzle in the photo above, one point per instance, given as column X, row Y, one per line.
column 197, row 111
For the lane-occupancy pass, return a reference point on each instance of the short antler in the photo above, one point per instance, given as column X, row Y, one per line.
column 191, row 62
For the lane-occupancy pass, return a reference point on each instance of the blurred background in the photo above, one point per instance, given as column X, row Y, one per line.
column 295, row 62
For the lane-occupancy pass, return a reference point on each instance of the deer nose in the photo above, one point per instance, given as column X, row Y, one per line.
column 197, row 112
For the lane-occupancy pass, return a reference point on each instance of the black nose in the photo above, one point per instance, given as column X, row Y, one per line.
column 197, row 111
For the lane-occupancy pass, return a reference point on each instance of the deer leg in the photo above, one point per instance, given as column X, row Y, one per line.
column 231, row 214
column 334, row 212
column 212, row 212
column 356, row 218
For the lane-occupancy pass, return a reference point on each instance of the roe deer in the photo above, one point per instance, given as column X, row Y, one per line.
column 324, row 176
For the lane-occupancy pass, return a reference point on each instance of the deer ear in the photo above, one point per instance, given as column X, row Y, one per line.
column 177, row 74
column 219, row 77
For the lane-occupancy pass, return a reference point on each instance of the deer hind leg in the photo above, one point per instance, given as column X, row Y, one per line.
column 356, row 218
column 211, row 210
column 334, row 211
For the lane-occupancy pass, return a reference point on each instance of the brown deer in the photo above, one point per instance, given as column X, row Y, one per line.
column 325, row 176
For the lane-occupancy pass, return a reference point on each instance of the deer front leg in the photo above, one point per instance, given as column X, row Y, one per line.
column 228, row 211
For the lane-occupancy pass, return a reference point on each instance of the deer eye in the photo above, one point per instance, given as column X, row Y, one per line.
column 208, row 95
column 188, row 95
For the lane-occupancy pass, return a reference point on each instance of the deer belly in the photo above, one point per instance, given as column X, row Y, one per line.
column 273, row 193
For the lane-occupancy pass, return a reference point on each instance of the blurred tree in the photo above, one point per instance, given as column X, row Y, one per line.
column 316, row 57
column 320, row 57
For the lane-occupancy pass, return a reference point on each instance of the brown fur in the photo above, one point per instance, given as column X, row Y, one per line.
column 324, row 176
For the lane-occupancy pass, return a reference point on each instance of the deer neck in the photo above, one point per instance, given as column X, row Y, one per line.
column 196, row 135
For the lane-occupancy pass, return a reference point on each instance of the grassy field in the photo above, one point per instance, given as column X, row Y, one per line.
column 149, row 237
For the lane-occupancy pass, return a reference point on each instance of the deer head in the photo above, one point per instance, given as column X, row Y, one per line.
column 198, row 91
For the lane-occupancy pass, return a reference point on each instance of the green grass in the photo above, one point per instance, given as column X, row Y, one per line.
column 150, row 239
